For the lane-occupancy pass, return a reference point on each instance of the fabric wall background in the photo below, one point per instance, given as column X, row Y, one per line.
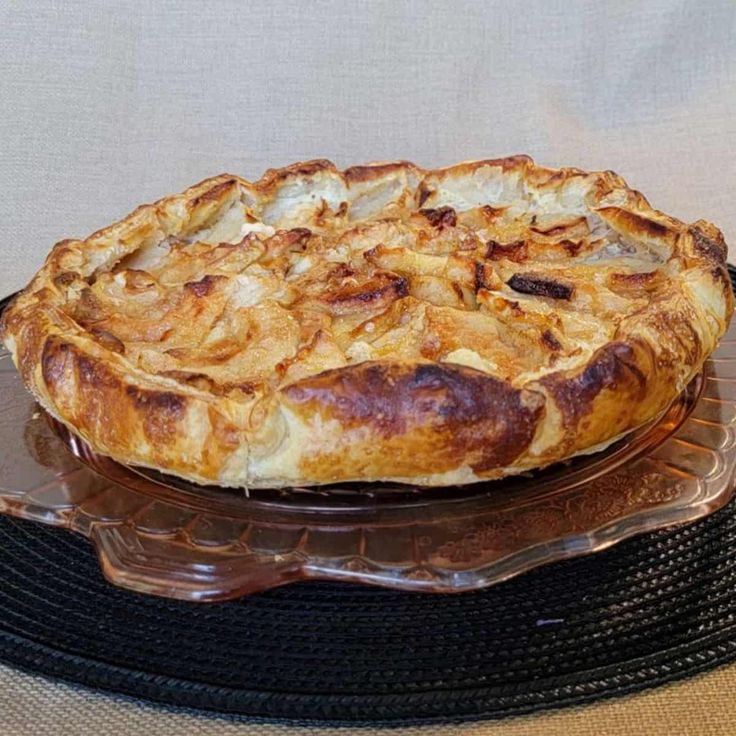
column 105, row 106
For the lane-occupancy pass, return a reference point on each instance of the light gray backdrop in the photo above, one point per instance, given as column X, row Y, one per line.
column 105, row 106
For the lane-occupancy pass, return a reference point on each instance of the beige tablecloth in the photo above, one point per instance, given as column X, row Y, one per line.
column 107, row 105
column 703, row 706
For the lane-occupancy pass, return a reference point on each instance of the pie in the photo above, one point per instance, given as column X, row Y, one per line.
column 385, row 322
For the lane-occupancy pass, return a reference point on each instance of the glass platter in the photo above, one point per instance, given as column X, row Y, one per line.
column 160, row 535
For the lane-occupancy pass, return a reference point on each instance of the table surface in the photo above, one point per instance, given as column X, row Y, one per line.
column 702, row 706
column 106, row 108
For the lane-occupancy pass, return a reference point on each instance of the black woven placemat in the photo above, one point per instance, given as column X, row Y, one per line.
column 650, row 610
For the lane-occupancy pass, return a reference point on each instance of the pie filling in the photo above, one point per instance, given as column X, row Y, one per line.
column 240, row 304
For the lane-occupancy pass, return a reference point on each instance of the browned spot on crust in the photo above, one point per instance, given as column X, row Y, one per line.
column 720, row 274
column 424, row 192
column 56, row 359
column 516, row 309
column 637, row 223
column 440, row 217
column 300, row 234
column 481, row 276
column 635, row 284
column 272, row 177
column 321, row 212
column 286, row 241
column 215, row 353
column 66, row 278
column 551, row 341
column 383, row 288
column 492, row 213
column 517, row 161
column 371, row 253
column 453, row 413
column 479, row 282
column 87, row 392
column 60, row 359
column 679, row 341
column 341, row 210
column 529, row 283
column 547, row 177
column 94, row 373
column 213, row 194
column 713, row 248
column 507, row 163
column 572, row 247
column 611, row 367
column 636, row 279
column 376, row 171
column 9, row 316
column 457, row 289
column 164, row 400
column 246, row 388
column 516, row 251
column 341, row 271
column 67, row 245
column 251, row 239
column 161, row 412
column 203, row 287
column 88, row 308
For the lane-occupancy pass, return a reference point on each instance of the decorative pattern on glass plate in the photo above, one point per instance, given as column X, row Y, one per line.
column 160, row 535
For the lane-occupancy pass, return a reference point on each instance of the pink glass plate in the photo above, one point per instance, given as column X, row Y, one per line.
column 161, row 535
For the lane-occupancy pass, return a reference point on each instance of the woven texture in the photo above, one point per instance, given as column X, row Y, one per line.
column 650, row 610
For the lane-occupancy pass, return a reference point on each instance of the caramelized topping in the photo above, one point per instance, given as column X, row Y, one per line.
column 528, row 283
column 441, row 216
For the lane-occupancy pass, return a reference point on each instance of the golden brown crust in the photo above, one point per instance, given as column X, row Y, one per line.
column 456, row 414
column 383, row 322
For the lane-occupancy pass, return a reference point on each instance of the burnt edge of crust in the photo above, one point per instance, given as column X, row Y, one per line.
column 273, row 177
column 712, row 246
column 477, row 414
column 214, row 193
column 612, row 366
column 505, row 163
column 638, row 222
column 368, row 172
column 62, row 363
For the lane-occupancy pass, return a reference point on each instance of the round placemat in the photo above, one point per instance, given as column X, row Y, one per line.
column 650, row 610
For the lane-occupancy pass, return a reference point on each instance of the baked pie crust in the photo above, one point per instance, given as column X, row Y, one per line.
column 383, row 322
